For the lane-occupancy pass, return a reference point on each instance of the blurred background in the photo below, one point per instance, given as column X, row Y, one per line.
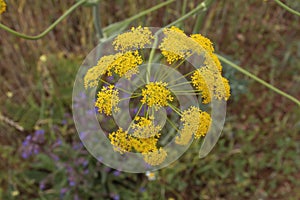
column 257, row 156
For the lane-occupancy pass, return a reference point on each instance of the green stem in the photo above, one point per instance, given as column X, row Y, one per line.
column 200, row 18
column 174, row 109
column 97, row 21
column 259, row 80
column 183, row 11
column 148, row 11
column 287, row 8
column 151, row 56
column 192, row 12
column 52, row 26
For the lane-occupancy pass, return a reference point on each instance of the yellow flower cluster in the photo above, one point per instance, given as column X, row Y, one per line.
column 156, row 94
column 107, row 100
column 155, row 157
column 124, row 142
column 210, row 58
column 144, row 145
column 143, row 135
column 137, row 38
column 145, row 128
column 176, row 45
column 120, row 141
column 126, row 64
column 123, row 64
column 211, row 83
column 2, row 6
column 195, row 122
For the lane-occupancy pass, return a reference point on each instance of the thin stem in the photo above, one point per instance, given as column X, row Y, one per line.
column 192, row 12
column 150, row 59
column 240, row 69
column 187, row 74
column 200, row 18
column 167, row 74
column 287, row 8
column 172, row 124
column 178, row 84
column 50, row 28
column 183, row 11
column 126, row 91
column 131, row 97
column 97, row 21
column 174, row 109
column 137, row 113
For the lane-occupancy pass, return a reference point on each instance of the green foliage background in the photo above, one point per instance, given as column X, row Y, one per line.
column 257, row 156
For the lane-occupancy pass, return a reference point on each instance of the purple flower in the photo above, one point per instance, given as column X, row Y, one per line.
column 169, row 110
column 57, row 143
column 25, row 155
column 31, row 144
column 116, row 173
column 63, row 191
column 72, row 183
column 115, row 197
column 77, row 146
column 42, row 185
column 39, row 136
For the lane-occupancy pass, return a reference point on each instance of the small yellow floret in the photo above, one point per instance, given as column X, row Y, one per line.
column 107, row 100
column 195, row 122
column 124, row 64
column 156, row 94
column 156, row 157
column 121, row 141
column 145, row 128
column 176, row 45
column 210, row 83
column 94, row 74
column 211, row 59
column 137, row 38
column 145, row 145
column 204, row 42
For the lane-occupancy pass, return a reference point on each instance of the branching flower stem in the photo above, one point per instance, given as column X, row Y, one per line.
column 287, row 8
column 50, row 28
column 245, row 72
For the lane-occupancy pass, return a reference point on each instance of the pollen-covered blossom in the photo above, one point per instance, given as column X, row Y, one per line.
column 137, row 38
column 126, row 64
column 2, row 6
column 145, row 145
column 123, row 64
column 195, row 122
column 210, row 58
column 211, row 83
column 121, row 141
column 145, row 127
column 107, row 100
column 94, row 74
column 175, row 45
column 156, row 157
column 156, row 94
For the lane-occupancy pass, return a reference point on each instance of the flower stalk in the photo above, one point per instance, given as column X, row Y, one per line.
column 50, row 28
column 271, row 87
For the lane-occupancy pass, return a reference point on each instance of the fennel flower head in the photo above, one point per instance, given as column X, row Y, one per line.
column 153, row 92
column 2, row 6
